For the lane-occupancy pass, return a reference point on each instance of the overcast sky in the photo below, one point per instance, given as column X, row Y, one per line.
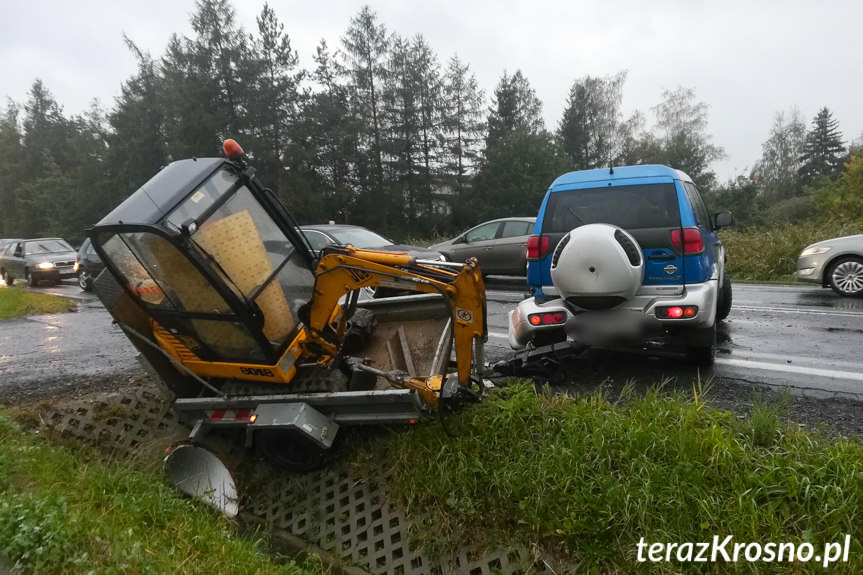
column 745, row 59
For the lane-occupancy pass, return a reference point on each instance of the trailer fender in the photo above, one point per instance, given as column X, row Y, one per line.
column 200, row 474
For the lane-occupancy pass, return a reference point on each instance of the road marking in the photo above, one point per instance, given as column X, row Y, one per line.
column 769, row 366
column 798, row 311
column 832, row 373
column 792, row 359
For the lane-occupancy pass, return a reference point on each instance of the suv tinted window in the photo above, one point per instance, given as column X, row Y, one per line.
column 629, row 207
column 702, row 214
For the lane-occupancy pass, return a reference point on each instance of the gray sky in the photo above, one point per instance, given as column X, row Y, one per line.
column 745, row 59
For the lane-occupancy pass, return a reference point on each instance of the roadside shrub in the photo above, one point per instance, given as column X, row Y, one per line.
column 791, row 211
column 770, row 254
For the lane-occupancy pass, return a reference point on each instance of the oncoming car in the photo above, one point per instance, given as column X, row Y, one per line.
column 625, row 257
column 37, row 260
column 836, row 263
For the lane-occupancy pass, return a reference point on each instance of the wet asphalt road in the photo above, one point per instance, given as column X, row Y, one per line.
column 64, row 347
column 798, row 336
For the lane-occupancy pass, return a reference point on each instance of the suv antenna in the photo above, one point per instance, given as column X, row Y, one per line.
column 611, row 170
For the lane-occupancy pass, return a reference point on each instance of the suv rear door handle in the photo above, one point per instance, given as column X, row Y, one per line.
column 660, row 257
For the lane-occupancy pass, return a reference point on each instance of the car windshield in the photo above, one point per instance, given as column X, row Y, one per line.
column 46, row 247
column 358, row 237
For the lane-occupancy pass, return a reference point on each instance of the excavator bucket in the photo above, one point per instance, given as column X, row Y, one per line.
column 199, row 473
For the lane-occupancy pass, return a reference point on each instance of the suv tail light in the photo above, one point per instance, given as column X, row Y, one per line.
column 546, row 318
column 537, row 248
column 677, row 312
column 692, row 241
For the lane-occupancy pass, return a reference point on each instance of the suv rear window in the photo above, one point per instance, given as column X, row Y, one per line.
column 628, row 207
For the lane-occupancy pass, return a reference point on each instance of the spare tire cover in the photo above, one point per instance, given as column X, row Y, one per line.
column 597, row 266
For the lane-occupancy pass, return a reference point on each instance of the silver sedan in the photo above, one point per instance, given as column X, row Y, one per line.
column 836, row 263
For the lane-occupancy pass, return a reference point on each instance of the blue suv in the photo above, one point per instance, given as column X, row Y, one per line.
column 628, row 255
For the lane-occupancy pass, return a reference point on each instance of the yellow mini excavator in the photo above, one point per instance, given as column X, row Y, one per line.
column 208, row 275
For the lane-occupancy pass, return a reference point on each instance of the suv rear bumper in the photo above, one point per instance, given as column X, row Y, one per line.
column 635, row 318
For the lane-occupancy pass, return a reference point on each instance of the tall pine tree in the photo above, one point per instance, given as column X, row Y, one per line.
column 823, row 150
column 520, row 159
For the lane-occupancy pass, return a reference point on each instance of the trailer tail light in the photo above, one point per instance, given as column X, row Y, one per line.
column 677, row 312
column 691, row 243
column 537, row 248
column 228, row 415
column 546, row 318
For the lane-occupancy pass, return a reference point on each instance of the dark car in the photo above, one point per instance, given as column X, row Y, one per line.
column 36, row 260
column 88, row 265
column 321, row 236
column 500, row 245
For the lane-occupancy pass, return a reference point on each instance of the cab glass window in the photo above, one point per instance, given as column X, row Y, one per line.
column 160, row 276
column 202, row 198
column 257, row 259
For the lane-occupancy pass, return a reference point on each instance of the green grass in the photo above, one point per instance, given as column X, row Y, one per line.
column 16, row 303
column 62, row 513
column 585, row 478
column 770, row 254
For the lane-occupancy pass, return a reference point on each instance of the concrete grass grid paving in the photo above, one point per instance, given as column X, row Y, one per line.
column 346, row 518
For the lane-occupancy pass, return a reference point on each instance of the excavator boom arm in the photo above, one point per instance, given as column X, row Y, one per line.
column 345, row 269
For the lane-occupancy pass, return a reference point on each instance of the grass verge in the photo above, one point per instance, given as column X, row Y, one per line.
column 16, row 303
column 61, row 513
column 584, row 479
column 770, row 254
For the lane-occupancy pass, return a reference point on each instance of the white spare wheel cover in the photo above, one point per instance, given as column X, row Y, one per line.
column 597, row 266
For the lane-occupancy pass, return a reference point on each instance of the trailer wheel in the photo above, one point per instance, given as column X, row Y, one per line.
column 289, row 450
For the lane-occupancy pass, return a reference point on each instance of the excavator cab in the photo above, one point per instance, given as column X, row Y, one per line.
column 215, row 262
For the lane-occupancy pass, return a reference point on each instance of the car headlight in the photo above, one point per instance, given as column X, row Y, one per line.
column 815, row 251
column 45, row 266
